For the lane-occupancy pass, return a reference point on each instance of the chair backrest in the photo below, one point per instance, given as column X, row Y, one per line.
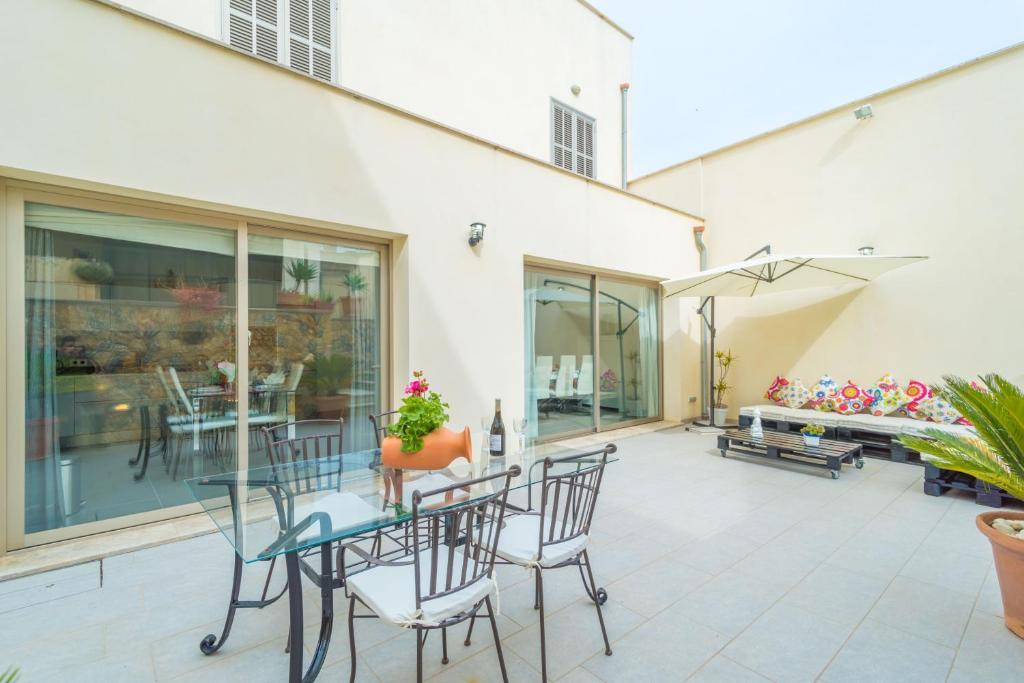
column 167, row 387
column 569, row 495
column 542, row 376
column 294, row 377
column 585, row 382
column 566, row 372
column 181, row 391
column 317, row 443
column 478, row 522
column 380, row 423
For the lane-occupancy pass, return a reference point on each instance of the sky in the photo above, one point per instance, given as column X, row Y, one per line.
column 707, row 73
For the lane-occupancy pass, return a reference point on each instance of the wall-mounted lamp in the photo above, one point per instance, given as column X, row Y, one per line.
column 866, row 251
column 863, row 112
column 476, row 233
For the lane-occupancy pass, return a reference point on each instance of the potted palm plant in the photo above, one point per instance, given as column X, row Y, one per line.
column 302, row 271
column 355, row 283
column 724, row 360
column 993, row 453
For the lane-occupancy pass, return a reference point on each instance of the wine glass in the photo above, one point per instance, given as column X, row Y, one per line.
column 519, row 425
column 485, row 435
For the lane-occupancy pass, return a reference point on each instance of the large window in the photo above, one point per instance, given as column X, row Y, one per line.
column 592, row 353
column 134, row 374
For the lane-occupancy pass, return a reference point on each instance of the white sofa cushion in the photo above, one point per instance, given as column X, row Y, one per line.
column 880, row 424
column 391, row 591
column 774, row 412
column 519, row 539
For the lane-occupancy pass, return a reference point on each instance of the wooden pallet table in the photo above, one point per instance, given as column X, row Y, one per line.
column 830, row 455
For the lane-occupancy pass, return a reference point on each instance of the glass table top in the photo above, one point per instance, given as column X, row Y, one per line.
column 270, row 510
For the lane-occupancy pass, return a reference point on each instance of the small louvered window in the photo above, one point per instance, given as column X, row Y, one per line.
column 307, row 28
column 572, row 140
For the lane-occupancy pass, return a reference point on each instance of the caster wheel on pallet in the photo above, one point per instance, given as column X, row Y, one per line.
column 860, row 463
column 835, row 475
column 602, row 596
column 723, row 454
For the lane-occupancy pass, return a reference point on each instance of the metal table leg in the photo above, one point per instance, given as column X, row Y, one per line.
column 291, row 559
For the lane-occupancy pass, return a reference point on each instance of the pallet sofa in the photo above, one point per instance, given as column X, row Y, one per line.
column 877, row 435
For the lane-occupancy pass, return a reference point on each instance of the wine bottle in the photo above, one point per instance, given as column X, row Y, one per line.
column 497, row 431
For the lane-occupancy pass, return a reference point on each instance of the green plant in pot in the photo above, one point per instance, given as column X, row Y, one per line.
column 418, row 438
column 993, row 452
column 355, row 284
column 724, row 360
column 812, row 434
column 302, row 271
column 331, row 377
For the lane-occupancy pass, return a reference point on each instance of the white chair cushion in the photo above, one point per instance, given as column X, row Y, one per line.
column 345, row 509
column 428, row 482
column 391, row 591
column 518, row 542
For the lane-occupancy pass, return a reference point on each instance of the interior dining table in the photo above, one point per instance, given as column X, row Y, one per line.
column 301, row 510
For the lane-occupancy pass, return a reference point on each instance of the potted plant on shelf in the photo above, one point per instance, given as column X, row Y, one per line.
column 993, row 453
column 355, row 283
column 724, row 359
column 290, row 298
column 331, row 376
column 302, row 271
column 418, row 438
column 812, row 434
column 323, row 302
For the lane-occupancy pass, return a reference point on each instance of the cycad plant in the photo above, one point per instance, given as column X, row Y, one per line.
column 996, row 454
column 302, row 271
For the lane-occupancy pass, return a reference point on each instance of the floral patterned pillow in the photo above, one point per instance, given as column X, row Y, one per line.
column 850, row 400
column 935, row 409
column 916, row 392
column 794, row 394
column 887, row 396
column 774, row 393
column 821, row 392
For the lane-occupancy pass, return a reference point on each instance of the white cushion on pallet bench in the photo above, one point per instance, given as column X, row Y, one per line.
column 391, row 591
column 804, row 415
column 519, row 540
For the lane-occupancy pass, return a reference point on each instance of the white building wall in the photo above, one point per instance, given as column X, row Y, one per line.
column 487, row 67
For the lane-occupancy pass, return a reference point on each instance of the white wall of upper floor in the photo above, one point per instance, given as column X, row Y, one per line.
column 486, row 67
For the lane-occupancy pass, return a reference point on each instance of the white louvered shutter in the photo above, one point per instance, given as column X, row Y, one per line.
column 310, row 37
column 572, row 140
column 253, row 27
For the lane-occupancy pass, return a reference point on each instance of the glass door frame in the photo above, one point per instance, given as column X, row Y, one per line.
column 14, row 195
column 596, row 278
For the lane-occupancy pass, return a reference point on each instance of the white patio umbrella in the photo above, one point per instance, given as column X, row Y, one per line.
column 775, row 273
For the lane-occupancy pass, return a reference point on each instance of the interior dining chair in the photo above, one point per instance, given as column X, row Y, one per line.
column 195, row 424
column 450, row 577
column 542, row 382
column 556, row 535
column 585, row 381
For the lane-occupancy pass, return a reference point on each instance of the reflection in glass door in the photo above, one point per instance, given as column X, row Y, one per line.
column 129, row 362
column 315, row 336
column 559, row 354
column 629, row 377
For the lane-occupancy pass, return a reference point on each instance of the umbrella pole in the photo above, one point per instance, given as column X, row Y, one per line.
column 711, row 366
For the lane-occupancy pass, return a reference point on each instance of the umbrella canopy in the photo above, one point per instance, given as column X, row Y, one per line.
column 779, row 273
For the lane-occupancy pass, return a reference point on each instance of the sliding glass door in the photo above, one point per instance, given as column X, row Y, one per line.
column 136, row 374
column 593, row 353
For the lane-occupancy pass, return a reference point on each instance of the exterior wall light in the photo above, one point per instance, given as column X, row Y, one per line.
column 863, row 112
column 476, row 233
column 866, row 251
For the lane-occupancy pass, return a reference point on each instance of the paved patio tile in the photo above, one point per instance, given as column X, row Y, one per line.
column 926, row 610
column 954, row 570
column 788, row 644
column 837, row 594
column 989, row 652
column 731, row 601
column 651, row 589
column 880, row 654
column 721, row 669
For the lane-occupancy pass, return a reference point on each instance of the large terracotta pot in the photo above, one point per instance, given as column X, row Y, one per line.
column 1009, row 557
column 440, row 447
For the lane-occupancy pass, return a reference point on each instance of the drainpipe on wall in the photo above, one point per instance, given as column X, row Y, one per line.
column 705, row 399
column 624, row 91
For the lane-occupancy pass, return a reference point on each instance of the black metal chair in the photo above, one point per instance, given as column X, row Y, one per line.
column 556, row 535
column 449, row 577
column 380, row 424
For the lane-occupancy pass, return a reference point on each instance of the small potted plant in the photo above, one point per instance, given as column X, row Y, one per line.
column 418, row 438
column 812, row 434
column 302, row 271
column 322, row 302
column 290, row 298
column 992, row 453
column 724, row 359
column 94, row 272
column 355, row 283
column 331, row 377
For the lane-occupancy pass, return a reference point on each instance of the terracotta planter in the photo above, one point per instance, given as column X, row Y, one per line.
column 440, row 447
column 1008, row 553
column 331, row 407
column 289, row 299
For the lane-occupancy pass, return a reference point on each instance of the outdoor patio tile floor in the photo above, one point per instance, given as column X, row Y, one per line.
column 718, row 569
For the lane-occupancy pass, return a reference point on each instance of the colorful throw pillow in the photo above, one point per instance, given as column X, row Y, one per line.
column 916, row 392
column 935, row 409
column 794, row 394
column 850, row 400
column 774, row 391
column 887, row 396
column 821, row 392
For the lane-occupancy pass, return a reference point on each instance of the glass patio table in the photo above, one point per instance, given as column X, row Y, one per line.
column 296, row 509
